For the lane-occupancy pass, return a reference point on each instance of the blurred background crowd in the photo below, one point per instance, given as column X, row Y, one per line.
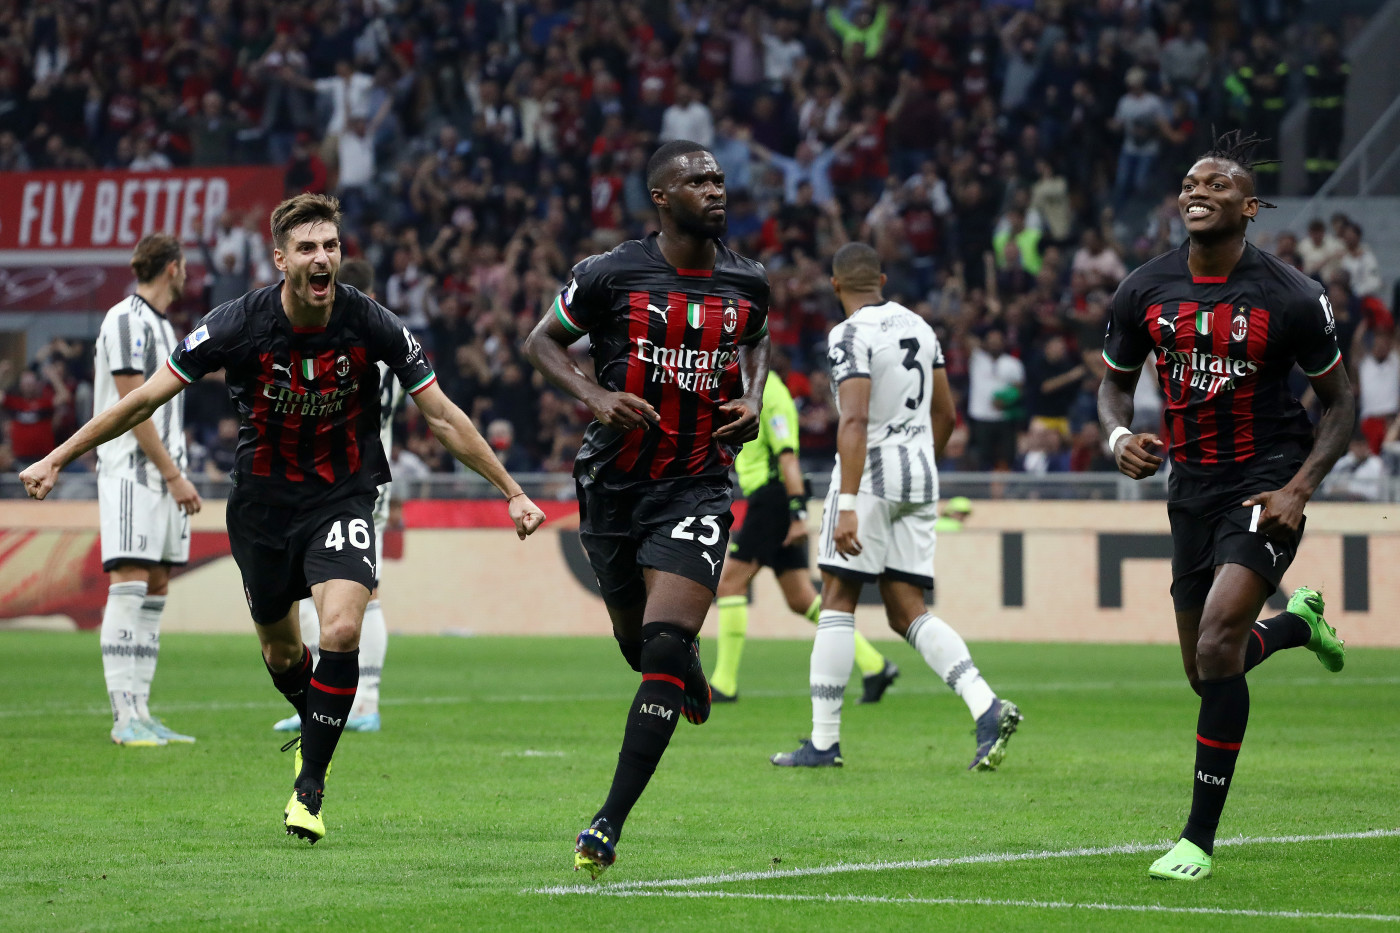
column 1010, row 161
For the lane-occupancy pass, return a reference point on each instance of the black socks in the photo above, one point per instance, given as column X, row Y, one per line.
column 664, row 659
column 1219, row 733
column 1284, row 630
column 328, row 703
column 294, row 682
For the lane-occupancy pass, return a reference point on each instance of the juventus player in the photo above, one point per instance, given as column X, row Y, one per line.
column 144, row 499
column 678, row 324
column 1228, row 322
column 299, row 361
column 896, row 415
column 374, row 633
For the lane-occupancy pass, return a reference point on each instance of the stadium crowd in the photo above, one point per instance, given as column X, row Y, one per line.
column 1010, row 162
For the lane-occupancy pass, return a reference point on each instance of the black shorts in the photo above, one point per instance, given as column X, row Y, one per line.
column 759, row 539
column 1210, row 527
column 679, row 527
column 283, row 552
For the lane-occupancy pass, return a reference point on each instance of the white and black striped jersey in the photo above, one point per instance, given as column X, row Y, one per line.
column 897, row 351
column 391, row 396
column 136, row 339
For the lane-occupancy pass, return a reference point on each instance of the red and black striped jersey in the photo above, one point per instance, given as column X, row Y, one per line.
column 672, row 337
column 1225, row 347
column 308, row 398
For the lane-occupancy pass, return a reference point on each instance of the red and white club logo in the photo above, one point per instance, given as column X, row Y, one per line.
column 731, row 319
column 1240, row 326
column 342, row 365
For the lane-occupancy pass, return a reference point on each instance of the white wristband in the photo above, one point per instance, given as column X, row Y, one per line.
column 846, row 502
column 1113, row 438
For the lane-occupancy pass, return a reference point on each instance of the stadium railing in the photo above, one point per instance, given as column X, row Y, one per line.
column 553, row 487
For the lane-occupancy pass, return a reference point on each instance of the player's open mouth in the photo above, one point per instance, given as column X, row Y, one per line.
column 1197, row 210
column 320, row 284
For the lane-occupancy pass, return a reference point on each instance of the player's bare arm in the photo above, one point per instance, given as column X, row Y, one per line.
column 1132, row 452
column 136, row 407
column 943, row 416
column 854, row 401
column 753, row 363
column 455, row 430
column 791, row 471
column 547, row 350
column 1282, row 511
column 183, row 491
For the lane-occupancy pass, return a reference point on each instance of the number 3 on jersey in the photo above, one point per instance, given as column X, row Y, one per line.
column 359, row 535
column 709, row 521
column 911, row 361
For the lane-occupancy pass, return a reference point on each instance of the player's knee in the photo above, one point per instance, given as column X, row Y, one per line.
column 665, row 649
column 281, row 655
column 1216, row 653
column 340, row 633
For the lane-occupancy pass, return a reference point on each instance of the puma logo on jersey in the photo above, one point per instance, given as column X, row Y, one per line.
column 368, row 561
column 1163, row 322
column 1269, row 546
column 661, row 311
column 714, row 565
column 285, row 369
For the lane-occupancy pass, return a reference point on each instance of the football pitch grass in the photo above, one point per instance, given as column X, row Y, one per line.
column 495, row 752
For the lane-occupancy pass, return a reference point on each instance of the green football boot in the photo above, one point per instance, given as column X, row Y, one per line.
column 1185, row 862
column 1306, row 603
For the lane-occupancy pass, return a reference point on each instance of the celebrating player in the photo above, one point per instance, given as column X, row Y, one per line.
column 143, row 497
column 679, row 335
column 896, row 416
column 1228, row 322
column 774, row 534
column 374, row 633
column 299, row 361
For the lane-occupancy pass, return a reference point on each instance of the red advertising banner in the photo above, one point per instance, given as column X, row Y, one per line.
column 66, row 237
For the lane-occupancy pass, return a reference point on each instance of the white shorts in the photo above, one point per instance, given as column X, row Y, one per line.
column 381, row 521
column 139, row 524
column 897, row 541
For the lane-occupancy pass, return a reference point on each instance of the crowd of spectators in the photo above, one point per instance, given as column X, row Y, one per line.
column 1010, row 162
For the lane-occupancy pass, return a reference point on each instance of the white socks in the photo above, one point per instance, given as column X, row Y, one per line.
column 310, row 629
column 147, row 653
column 374, row 644
column 833, row 653
column 947, row 654
column 120, row 640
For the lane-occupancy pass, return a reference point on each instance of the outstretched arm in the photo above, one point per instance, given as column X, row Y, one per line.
column 1282, row 509
column 455, row 430
column 135, row 408
column 148, row 438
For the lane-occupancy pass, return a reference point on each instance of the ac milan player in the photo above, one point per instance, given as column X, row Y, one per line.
column 299, row 358
column 678, row 330
column 1228, row 322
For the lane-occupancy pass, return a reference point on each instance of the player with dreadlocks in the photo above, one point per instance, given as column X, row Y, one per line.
column 1227, row 322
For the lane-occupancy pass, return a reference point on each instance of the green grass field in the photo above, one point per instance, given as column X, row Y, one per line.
column 496, row 751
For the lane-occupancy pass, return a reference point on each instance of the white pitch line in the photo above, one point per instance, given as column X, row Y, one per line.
column 992, row 902
column 938, row 689
column 1130, row 848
